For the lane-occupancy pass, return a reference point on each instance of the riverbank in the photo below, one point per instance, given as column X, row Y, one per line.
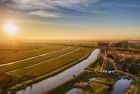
column 61, row 89
column 27, row 83
column 54, row 81
column 70, row 83
column 101, row 84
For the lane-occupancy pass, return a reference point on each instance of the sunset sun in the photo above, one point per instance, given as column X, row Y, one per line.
column 10, row 28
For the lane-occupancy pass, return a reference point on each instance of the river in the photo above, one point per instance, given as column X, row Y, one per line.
column 120, row 86
column 54, row 81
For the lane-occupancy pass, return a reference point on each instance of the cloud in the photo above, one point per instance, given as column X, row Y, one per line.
column 69, row 8
column 51, row 3
column 44, row 14
column 47, row 8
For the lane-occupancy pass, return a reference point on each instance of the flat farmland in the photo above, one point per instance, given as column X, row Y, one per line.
column 25, row 64
column 50, row 64
column 22, row 51
column 33, row 60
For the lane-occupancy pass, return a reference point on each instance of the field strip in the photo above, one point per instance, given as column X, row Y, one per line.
column 23, row 64
column 19, row 51
column 24, row 84
column 32, row 57
column 44, row 61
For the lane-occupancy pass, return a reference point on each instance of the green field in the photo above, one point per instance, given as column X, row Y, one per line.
column 50, row 64
column 36, row 61
column 17, row 52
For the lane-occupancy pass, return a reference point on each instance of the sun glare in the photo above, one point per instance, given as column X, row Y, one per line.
column 10, row 28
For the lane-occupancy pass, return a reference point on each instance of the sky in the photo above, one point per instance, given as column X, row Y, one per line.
column 71, row 19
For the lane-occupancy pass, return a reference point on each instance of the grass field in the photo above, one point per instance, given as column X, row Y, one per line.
column 18, row 53
column 34, row 62
column 50, row 64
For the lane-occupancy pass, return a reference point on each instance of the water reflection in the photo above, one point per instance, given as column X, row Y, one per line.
column 60, row 78
column 74, row 91
column 120, row 86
